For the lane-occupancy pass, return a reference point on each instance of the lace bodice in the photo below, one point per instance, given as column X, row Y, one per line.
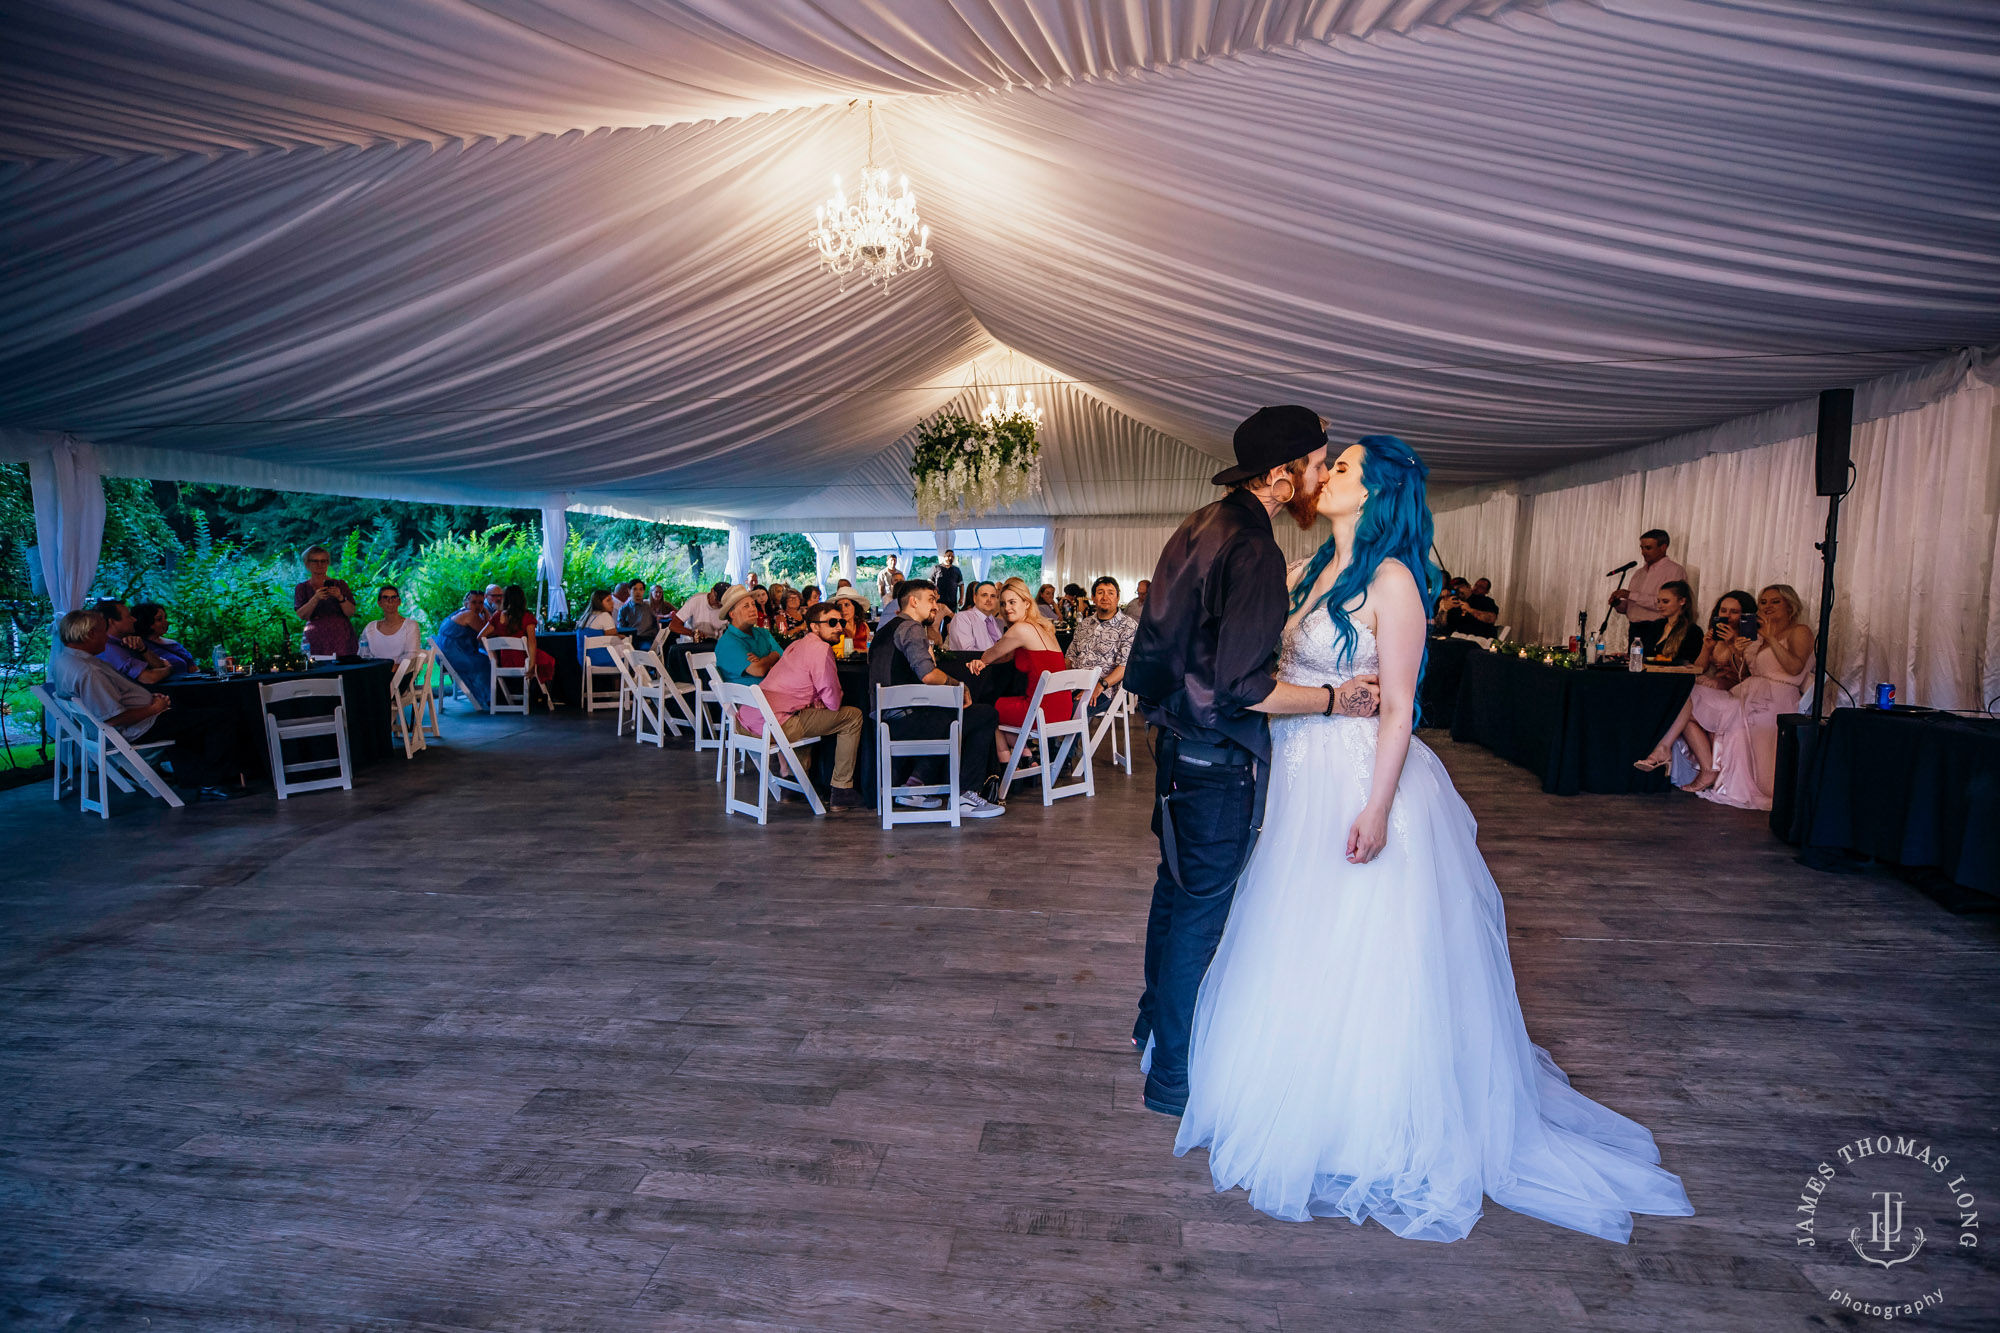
column 1309, row 653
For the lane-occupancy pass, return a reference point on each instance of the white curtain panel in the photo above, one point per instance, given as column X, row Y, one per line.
column 1477, row 541
column 68, row 495
column 736, row 564
column 555, row 543
column 1577, row 535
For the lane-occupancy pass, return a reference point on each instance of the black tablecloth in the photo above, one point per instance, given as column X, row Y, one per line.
column 1915, row 789
column 1443, row 671
column 1578, row 730
column 567, row 686
column 365, row 686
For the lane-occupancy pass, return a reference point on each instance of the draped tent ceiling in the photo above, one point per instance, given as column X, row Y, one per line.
column 512, row 250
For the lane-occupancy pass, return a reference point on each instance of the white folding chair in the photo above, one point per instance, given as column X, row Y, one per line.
column 406, row 705
column 458, row 685
column 644, row 690
column 888, row 750
column 1037, row 730
column 279, row 730
column 709, row 731
column 498, row 698
column 105, row 759
column 1116, row 722
column 424, row 683
column 594, row 695
column 741, row 743
column 679, row 695
column 68, row 741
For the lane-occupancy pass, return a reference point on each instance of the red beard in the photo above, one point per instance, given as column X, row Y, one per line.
column 1303, row 507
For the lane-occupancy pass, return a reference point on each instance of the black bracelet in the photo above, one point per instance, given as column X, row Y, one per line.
column 1330, row 700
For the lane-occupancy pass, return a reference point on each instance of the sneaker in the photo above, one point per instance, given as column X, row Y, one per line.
column 971, row 805
column 919, row 802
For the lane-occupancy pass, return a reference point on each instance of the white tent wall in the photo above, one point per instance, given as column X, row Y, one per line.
column 1916, row 584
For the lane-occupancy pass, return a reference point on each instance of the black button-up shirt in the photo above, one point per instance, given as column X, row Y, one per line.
column 1208, row 636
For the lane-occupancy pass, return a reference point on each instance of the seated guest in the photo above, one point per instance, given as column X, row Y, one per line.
column 1137, row 605
column 621, row 593
column 457, row 642
column 761, row 596
column 1718, row 664
column 700, row 618
column 1045, row 600
column 890, row 610
column 149, row 622
column 658, row 603
column 1029, row 642
column 597, row 620
column 636, row 620
column 1640, row 603
column 1451, row 600
column 1733, row 734
column 203, row 755
column 844, row 583
column 124, row 650
column 853, row 608
column 516, row 621
column 496, row 597
column 809, row 597
column 395, row 636
column 1680, row 640
column 803, row 689
column 326, row 606
column 1103, row 641
column 976, row 629
column 788, row 617
column 1477, row 611
column 902, row 655
column 747, row 651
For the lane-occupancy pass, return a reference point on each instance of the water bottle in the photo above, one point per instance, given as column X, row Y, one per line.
column 220, row 659
column 1635, row 659
column 1596, row 649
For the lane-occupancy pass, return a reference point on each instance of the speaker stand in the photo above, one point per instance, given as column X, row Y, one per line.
column 1829, row 550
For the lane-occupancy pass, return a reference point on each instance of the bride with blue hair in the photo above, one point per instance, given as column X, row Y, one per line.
column 1358, row 1047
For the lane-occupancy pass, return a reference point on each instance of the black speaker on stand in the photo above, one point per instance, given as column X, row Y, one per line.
column 1831, row 467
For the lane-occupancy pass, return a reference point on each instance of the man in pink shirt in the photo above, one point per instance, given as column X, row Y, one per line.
column 803, row 688
column 1640, row 602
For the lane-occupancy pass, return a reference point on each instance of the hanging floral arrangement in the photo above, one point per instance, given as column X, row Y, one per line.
column 964, row 468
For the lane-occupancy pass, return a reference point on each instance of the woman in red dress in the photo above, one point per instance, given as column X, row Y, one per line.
column 515, row 621
column 1029, row 641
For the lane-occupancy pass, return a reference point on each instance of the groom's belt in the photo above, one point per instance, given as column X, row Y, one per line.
column 1202, row 752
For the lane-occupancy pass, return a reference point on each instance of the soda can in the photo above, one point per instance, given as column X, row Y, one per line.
column 1575, row 644
column 1885, row 695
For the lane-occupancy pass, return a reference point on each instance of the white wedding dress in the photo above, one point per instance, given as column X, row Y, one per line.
column 1358, row 1048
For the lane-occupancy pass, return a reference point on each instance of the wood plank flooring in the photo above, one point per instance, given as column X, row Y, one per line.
column 524, row 1035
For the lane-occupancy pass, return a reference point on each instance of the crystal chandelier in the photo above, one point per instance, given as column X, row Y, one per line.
column 875, row 235
column 993, row 414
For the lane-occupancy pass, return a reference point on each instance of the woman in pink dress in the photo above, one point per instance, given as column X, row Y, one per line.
column 1734, row 733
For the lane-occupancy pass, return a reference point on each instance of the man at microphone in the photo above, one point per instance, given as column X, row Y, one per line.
column 1640, row 602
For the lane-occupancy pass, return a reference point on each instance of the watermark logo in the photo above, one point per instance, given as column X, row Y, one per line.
column 1878, row 1193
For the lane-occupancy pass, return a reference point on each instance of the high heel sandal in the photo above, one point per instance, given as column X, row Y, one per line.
column 1703, row 780
column 1652, row 763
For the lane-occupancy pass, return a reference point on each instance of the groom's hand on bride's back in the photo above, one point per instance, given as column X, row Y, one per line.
column 1359, row 696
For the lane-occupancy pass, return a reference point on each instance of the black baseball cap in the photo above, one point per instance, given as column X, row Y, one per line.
column 1272, row 437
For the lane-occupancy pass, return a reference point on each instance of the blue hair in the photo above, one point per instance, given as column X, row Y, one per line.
column 1395, row 525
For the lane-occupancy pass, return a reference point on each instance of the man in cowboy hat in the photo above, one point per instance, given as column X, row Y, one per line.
column 1201, row 667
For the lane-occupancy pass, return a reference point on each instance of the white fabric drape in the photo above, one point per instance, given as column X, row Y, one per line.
column 68, row 493
column 1502, row 237
column 847, row 558
column 736, row 563
column 555, row 544
column 1477, row 541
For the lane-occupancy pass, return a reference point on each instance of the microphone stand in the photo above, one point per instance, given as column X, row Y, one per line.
column 1621, row 573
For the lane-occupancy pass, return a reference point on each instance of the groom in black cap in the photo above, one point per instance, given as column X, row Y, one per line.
column 1201, row 666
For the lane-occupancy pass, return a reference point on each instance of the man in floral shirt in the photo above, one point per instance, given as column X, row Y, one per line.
column 1103, row 640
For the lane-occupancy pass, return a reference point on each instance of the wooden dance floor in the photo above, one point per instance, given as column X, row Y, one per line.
column 524, row 1034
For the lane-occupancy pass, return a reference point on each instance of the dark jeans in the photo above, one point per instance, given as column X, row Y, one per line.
column 975, row 743
column 204, row 753
column 1212, row 809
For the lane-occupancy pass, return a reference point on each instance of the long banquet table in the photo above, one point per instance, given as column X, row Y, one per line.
column 1579, row 731
column 364, row 685
column 1911, row 789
